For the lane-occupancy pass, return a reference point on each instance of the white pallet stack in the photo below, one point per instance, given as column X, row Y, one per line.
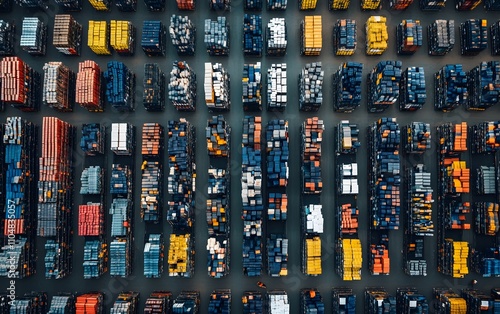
column 121, row 138
column 277, row 87
column 216, row 87
column 276, row 41
column 278, row 303
column 314, row 219
column 349, row 175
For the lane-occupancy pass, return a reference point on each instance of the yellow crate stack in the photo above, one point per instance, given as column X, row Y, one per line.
column 460, row 257
column 100, row 5
column 178, row 254
column 98, row 37
column 457, row 305
column 353, row 260
column 121, row 33
column 376, row 35
column 307, row 4
column 313, row 256
column 339, row 4
column 312, row 35
column 370, row 4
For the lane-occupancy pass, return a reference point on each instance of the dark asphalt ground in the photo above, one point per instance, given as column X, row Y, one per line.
column 236, row 281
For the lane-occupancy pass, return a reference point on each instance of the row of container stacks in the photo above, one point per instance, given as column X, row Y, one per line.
column 420, row 202
column 252, row 5
column 7, row 37
column 67, row 35
column 183, row 34
column 311, row 32
column 383, row 85
column 181, row 187
column 33, row 36
column 58, row 86
column 252, row 197
column 349, row 259
column 252, row 87
column 311, row 301
column 378, row 300
column 253, row 302
column 126, row 302
column 376, row 35
column 89, row 87
column 441, row 37
column 412, row 89
column 216, row 37
column 338, row 5
column 312, row 137
column 344, row 37
column 277, row 87
column 473, row 36
column 276, row 5
column 252, row 35
column 311, row 87
column 485, row 180
column 276, row 37
column 218, row 134
column 409, row 36
column 152, row 172
column 182, row 86
column 154, row 38
column 347, row 87
column 483, row 86
column 120, row 86
column 153, row 97
column 217, row 84
column 153, row 256
column 20, row 85
column 343, row 300
column 19, row 138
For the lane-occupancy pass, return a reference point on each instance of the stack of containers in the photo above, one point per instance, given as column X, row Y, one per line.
column 69, row 5
column 276, row 5
column 432, row 5
column 473, row 36
column 34, row 36
column 7, row 38
column 220, row 5
column 486, row 137
column 252, row 35
column 307, row 5
column 277, row 87
column 343, row 300
column 378, row 300
column 495, row 38
column 217, row 36
column 312, row 136
column 153, row 256
column 101, row 5
column 370, row 4
column 182, row 86
column 217, row 87
column 55, row 201
column 487, row 218
column 376, row 35
column 441, row 37
column 158, row 302
column 92, row 302
column 251, row 194
column 485, row 180
column 152, row 172
column 344, row 37
column 311, row 301
column 412, row 92
column 98, row 37
column 183, row 34
column 32, row 302
column 155, row 5
column 347, row 139
column 311, row 40
column 126, row 5
column 334, row 5
column 277, row 302
column 483, row 86
column 218, row 134
column 311, row 87
column 448, row 301
column 89, row 88
column 186, row 5
column 58, row 86
column 409, row 37
column 153, row 96
column 467, row 5
column 181, row 187
column 126, row 302
column 347, row 87
column 154, row 38
column 400, row 4
column 383, row 85
column 122, row 37
column 454, row 211
column 492, row 5
column 20, row 85
column 252, row 87
column 410, row 300
column 277, row 154
column 451, row 88
column 349, row 259
column 120, row 86
column 62, row 304
column 478, row 301
column 417, row 137
column 220, row 301
column 252, row 5
column 19, row 149
column 187, row 302
column 276, row 37
column 67, row 35
column 92, row 141
column 253, row 302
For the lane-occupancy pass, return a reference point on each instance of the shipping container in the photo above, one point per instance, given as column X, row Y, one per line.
column 347, row 138
column 486, row 218
column 98, row 37
column 33, row 302
column 252, row 35
column 451, row 88
column 483, row 86
column 67, row 35
column 91, row 303
column 95, row 258
column 91, row 220
column 182, row 86
column 7, row 37
column 277, row 207
column 121, row 212
column 383, row 85
column 126, row 303
column 370, row 5
column 69, row 5
column 120, row 86
column 20, row 85
column 276, row 36
column 440, row 36
column 448, row 302
column 153, row 96
column 486, row 137
column 92, row 141
column 58, row 86
column 485, row 180
column 277, row 5
column 343, row 301
column 122, row 37
column 378, row 300
column 473, row 36
column 277, row 302
column 90, row 86
column 486, row 262
column 101, row 5
column 277, row 87
column 253, row 302
column 183, row 35
column 419, row 202
column 410, row 300
column 120, row 255
column 218, row 256
column 345, row 38
column 154, row 38
column 432, row 5
column 277, row 153
column 187, row 302
column 122, row 139
column 495, row 36
column 220, row 302
column 252, row 87
column 311, row 302
column 277, row 255
column 33, row 36
column 349, row 259
column 311, row 255
column 478, row 301
column 153, row 256
column 409, row 34
column 216, row 37
column 312, row 136
column 217, row 87
column 311, row 87
column 412, row 89
column 186, row 5
column 159, row 302
column 417, row 138
column 347, row 179
column 414, row 260
column 20, row 253
column 311, row 32
column 307, row 5
column 347, row 87
column 151, row 191
column 334, row 5
column 62, row 304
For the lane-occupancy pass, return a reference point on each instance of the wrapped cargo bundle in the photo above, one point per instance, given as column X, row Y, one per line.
column 311, row 32
column 122, row 37
column 383, row 85
column 186, row 5
column 62, row 304
column 448, row 301
column 220, row 301
column 126, row 303
column 311, row 87
column 153, row 96
column 370, row 4
column 33, row 36
column 181, row 256
column 277, row 255
column 253, row 302
column 91, row 181
column 218, row 256
column 120, row 86
column 400, row 4
column 90, row 302
column 344, row 37
column 276, row 37
column 183, row 34
column 154, row 38
column 420, row 202
column 347, row 138
column 483, row 86
column 252, row 35
column 441, row 37
column 217, row 87
column 101, row 5
column 89, row 86
column 93, row 139
column 410, row 300
column 155, row 5
column 486, row 180
column 252, row 87
column 120, row 253
column 91, row 220
column 418, row 137
column 486, row 137
column 473, row 36
column 182, row 87
column 349, row 259
column 58, row 86
column 276, row 5
column 159, row 302
column 412, row 90
column 312, row 136
column 98, row 37
column 347, row 87
column 153, row 256
column 377, row 300
column 277, row 302
column 312, row 219
column 217, row 36
column 7, row 38
column 376, row 35
column 220, row 5
column 67, row 35
column 432, row 5
column 334, row 5
column 409, row 36
column 311, row 301
column 126, row 5
column 122, row 138
column 19, row 85
column 467, row 5
column 451, row 88
column 95, row 256
column 187, row 302
column 343, row 300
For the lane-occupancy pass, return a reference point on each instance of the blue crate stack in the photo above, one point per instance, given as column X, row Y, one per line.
column 154, row 38
column 220, row 302
column 412, row 90
column 473, row 36
column 311, row 302
column 153, row 96
column 277, row 255
column 62, row 304
column 120, row 86
column 451, row 88
column 253, row 302
column 344, row 37
column 153, row 256
column 383, row 85
column 343, row 300
column 216, row 37
column 409, row 34
column 347, row 87
column 252, row 87
column 187, row 302
column 34, row 36
column 483, row 86
column 183, row 34
column 252, row 35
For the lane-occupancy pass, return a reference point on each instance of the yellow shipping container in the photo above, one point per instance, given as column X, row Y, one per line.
column 312, row 35
column 121, row 33
column 370, row 4
column 313, row 256
column 376, row 35
column 99, row 5
column 98, row 37
column 178, row 254
column 307, row 4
